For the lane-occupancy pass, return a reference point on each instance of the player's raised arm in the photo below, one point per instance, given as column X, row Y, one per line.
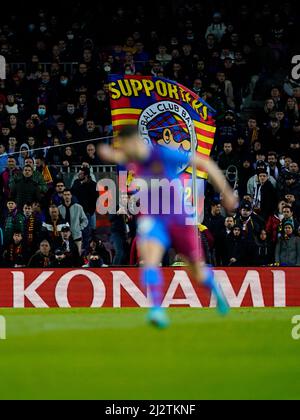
column 219, row 182
column 111, row 155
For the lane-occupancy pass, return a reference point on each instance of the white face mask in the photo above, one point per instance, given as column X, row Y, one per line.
column 107, row 69
column 70, row 37
column 282, row 162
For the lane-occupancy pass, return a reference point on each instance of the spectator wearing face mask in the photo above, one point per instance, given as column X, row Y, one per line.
column 64, row 90
column 45, row 120
column 288, row 247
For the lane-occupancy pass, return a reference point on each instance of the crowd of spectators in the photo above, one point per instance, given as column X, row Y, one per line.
column 236, row 56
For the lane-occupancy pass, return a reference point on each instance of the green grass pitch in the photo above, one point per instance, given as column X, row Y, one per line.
column 113, row 354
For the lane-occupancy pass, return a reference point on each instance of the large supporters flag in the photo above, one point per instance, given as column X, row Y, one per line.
column 165, row 111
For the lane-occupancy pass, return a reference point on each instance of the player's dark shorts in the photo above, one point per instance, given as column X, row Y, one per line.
column 184, row 238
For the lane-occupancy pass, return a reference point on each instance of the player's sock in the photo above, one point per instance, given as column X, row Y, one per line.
column 214, row 287
column 152, row 278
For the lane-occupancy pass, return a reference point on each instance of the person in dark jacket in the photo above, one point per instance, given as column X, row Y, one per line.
column 250, row 223
column 44, row 258
column 99, row 247
column 290, row 185
column 225, row 233
column 235, row 248
column 13, row 221
column 66, row 244
column 265, row 197
column 85, row 190
column 31, row 227
column 16, row 254
column 264, row 250
column 227, row 157
column 214, row 221
column 119, row 233
column 60, row 259
column 25, row 190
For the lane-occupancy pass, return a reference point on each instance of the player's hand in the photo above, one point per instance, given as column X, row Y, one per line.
column 229, row 200
column 104, row 152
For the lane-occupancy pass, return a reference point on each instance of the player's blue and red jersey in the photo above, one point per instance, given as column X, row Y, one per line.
column 171, row 227
column 164, row 165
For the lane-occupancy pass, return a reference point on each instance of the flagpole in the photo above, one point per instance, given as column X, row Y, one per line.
column 194, row 144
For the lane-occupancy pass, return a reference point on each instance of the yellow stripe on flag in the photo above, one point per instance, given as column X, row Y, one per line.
column 203, row 150
column 205, row 127
column 121, row 111
column 205, row 139
column 124, row 122
column 200, row 174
